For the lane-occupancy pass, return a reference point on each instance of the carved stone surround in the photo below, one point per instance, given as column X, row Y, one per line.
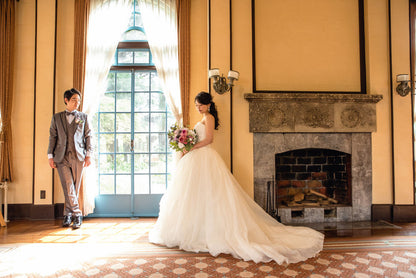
column 307, row 112
column 287, row 121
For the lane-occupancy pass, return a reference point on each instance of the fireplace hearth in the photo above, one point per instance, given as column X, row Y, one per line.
column 292, row 129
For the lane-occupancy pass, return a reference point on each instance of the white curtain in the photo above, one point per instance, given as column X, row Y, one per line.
column 108, row 19
column 161, row 26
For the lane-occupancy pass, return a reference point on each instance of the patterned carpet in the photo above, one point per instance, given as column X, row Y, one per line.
column 347, row 258
column 356, row 264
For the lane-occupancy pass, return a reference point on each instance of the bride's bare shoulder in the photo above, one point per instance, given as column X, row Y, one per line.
column 207, row 119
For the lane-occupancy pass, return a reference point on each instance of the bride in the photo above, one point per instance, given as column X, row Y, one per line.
column 206, row 210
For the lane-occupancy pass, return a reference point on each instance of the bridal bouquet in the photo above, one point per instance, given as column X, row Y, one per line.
column 182, row 138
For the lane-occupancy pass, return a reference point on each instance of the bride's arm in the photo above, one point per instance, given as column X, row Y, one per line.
column 209, row 132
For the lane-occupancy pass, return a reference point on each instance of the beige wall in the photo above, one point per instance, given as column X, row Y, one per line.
column 64, row 66
column 378, row 82
column 402, row 107
column 20, row 190
column 377, row 54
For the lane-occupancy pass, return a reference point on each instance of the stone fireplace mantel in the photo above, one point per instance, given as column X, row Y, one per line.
column 308, row 112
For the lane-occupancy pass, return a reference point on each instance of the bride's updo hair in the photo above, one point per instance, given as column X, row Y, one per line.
column 206, row 98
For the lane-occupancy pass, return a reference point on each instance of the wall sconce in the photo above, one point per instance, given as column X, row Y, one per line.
column 220, row 84
column 403, row 88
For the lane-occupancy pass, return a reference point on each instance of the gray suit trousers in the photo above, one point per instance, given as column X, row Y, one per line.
column 70, row 172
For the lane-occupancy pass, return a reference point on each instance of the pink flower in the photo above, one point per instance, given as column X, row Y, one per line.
column 182, row 139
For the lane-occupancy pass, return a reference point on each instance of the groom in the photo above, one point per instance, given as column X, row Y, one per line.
column 69, row 151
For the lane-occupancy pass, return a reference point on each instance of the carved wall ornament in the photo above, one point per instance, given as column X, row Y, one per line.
column 350, row 117
column 258, row 123
column 277, row 118
column 317, row 117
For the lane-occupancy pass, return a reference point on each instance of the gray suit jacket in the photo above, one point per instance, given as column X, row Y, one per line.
column 58, row 136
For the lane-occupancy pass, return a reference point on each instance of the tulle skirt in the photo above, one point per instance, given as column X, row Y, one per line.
column 206, row 210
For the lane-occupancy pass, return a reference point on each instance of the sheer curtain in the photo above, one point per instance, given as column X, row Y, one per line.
column 161, row 24
column 108, row 19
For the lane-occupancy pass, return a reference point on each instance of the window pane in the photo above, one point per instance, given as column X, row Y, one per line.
column 123, row 163
column 158, row 102
column 141, row 184
column 158, row 163
column 107, row 102
column 123, row 143
column 106, row 163
column 141, row 57
column 134, row 35
column 123, row 122
column 107, row 184
column 106, row 143
column 158, row 142
column 156, row 85
column 139, row 22
column 111, row 81
column 141, row 143
column 125, row 57
column 141, row 122
column 136, row 5
column 123, row 102
column 141, row 163
column 158, row 122
column 141, row 102
column 158, row 184
column 131, row 21
column 123, row 82
column 141, row 81
column 123, row 184
column 106, row 122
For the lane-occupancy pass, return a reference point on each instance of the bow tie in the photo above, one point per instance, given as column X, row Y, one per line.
column 70, row 113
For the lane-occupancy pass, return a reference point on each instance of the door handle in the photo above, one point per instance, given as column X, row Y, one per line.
column 132, row 145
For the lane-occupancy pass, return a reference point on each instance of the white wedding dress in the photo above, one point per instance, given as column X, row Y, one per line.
column 206, row 210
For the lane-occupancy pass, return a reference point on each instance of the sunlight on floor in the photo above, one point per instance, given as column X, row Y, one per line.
column 45, row 259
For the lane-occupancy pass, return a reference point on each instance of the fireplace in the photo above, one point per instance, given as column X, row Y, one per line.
column 289, row 130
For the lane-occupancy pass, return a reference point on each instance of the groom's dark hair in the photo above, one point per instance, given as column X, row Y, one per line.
column 69, row 93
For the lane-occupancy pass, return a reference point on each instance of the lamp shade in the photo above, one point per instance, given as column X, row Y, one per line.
column 213, row 73
column 402, row 77
column 233, row 74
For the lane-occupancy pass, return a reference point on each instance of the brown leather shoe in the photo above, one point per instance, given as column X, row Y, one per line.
column 67, row 221
column 77, row 222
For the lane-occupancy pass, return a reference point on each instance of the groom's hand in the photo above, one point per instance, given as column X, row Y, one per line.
column 52, row 163
column 87, row 161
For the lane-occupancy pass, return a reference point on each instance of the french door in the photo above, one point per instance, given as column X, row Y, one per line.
column 133, row 157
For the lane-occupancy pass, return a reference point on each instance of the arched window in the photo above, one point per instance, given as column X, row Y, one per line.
column 134, row 159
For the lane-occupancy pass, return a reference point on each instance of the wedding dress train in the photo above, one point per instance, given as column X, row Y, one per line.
column 206, row 210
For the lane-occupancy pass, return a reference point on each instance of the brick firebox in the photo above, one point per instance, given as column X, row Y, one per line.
column 323, row 170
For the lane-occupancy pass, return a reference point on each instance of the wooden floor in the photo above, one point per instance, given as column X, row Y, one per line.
column 113, row 230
